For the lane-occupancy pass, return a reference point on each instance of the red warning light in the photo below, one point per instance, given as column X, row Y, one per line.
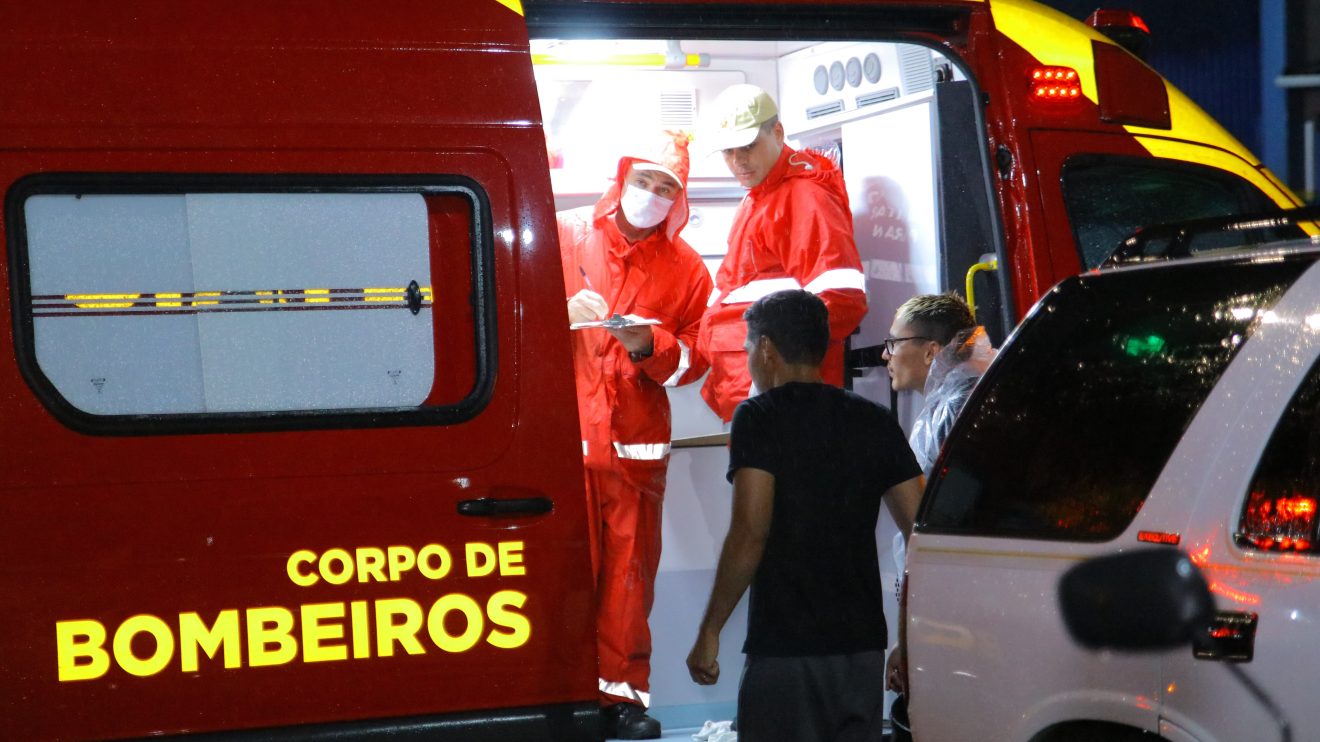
column 1106, row 19
column 1055, row 84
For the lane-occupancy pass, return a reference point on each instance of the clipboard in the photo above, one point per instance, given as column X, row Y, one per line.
column 615, row 322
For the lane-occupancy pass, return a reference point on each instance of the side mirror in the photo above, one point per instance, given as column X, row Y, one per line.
column 1148, row 599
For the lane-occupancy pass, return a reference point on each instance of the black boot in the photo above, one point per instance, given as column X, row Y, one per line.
column 629, row 721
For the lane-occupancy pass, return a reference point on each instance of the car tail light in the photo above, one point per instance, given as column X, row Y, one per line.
column 1055, row 84
column 1278, row 523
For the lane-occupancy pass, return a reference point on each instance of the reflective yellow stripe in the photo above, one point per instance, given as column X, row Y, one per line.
column 102, row 301
column 185, row 300
column 514, row 5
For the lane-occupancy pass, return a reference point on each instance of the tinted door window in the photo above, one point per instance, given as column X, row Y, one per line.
column 1071, row 427
column 204, row 303
column 1108, row 198
column 1280, row 510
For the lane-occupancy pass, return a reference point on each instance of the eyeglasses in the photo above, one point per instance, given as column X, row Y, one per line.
column 891, row 342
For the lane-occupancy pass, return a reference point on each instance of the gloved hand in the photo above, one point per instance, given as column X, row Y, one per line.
column 585, row 306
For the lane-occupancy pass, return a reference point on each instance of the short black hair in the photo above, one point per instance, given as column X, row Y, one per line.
column 797, row 322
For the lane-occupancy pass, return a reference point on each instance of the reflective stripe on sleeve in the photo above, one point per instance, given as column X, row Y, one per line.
column 584, row 448
column 642, row 451
column 839, row 278
column 623, row 690
column 762, row 287
column 684, row 363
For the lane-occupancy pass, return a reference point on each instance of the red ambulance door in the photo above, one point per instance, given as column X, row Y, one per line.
column 291, row 435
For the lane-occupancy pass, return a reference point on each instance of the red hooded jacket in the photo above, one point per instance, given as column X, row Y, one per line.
column 622, row 405
column 792, row 231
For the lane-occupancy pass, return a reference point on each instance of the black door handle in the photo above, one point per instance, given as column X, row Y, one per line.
column 485, row 507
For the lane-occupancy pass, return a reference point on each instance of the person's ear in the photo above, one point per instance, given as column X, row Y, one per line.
column 932, row 349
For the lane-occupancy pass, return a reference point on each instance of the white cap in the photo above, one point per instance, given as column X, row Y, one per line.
column 734, row 118
column 640, row 165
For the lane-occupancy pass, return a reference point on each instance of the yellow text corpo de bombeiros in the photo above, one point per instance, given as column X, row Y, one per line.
column 316, row 632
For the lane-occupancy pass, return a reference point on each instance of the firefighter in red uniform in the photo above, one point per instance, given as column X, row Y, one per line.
column 623, row 258
column 793, row 230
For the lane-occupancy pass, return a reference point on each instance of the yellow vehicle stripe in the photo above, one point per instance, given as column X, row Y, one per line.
column 1191, row 123
column 514, row 5
column 1054, row 38
column 186, row 302
column 1230, row 161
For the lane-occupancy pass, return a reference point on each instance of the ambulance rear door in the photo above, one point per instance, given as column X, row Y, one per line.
column 290, row 433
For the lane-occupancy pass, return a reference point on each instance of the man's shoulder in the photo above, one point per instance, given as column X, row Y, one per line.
column 856, row 410
column 582, row 215
column 687, row 253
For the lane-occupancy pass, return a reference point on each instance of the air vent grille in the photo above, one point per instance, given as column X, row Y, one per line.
column 879, row 96
column 824, row 109
column 917, row 68
column 678, row 109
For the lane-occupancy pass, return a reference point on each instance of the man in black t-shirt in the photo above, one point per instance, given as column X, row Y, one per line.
column 810, row 464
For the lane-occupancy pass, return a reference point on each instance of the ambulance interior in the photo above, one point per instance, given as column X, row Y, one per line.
column 901, row 120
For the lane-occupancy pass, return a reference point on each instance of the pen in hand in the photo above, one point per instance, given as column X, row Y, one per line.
column 587, row 280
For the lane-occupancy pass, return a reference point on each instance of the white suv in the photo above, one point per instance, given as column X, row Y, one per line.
column 1176, row 403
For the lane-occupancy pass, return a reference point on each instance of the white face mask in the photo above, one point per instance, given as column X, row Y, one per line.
column 642, row 208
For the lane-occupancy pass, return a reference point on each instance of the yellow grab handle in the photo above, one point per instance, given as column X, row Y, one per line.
column 990, row 265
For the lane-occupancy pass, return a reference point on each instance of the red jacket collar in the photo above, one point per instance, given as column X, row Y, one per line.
column 778, row 172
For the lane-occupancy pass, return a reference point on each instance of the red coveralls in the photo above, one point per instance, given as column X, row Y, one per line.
column 792, row 231
column 624, row 413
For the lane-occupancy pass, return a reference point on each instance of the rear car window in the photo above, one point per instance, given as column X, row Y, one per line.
column 1280, row 510
column 1068, row 431
column 188, row 300
column 1109, row 198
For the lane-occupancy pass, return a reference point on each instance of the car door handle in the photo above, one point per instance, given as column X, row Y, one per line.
column 486, row 507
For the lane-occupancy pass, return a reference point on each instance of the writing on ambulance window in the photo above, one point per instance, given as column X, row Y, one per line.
column 1075, row 421
column 1109, row 198
column 179, row 303
column 1279, row 513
